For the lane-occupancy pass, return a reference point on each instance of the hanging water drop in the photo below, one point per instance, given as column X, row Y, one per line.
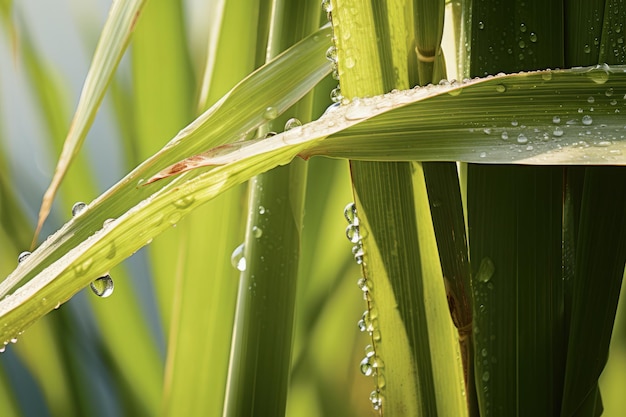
column 270, row 113
column 103, row 286
column 292, row 123
column 352, row 233
column 350, row 213
column 331, row 54
column 237, row 258
column 22, row 256
column 78, row 208
column 366, row 367
column 376, row 399
column 335, row 95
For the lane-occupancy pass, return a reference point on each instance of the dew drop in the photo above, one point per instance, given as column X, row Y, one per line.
column 358, row 253
column 608, row 92
column 533, row 37
column 237, row 259
column 587, row 120
column 78, row 208
column 484, row 352
column 521, row 138
column 352, row 233
column 366, row 367
column 327, row 6
column 481, row 25
column 103, row 286
column 500, row 88
column 556, row 120
column 514, row 123
column 257, row 232
column 590, row 100
column 331, row 54
column 485, row 377
column 183, row 203
column 174, row 218
column 599, row 74
column 586, row 49
column 22, row 256
column 261, row 210
column 547, row 75
column 483, row 155
column 292, row 123
column 376, row 399
column 335, row 95
column 349, row 212
column 504, row 135
column 364, row 284
column 522, row 27
column 485, row 270
column 270, row 113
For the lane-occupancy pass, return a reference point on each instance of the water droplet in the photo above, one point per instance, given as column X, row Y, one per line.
column 487, row 131
column 586, row 49
column 366, row 367
column 292, row 123
column 141, row 182
column 608, row 92
column 590, row 100
column 522, row 44
column 533, row 37
column 22, row 256
column 335, row 95
column 522, row 27
column 556, row 120
column 183, row 203
column 521, row 138
column 485, row 376
column 514, row 123
column 257, row 232
column 83, row 267
column 587, row 120
column 174, row 218
column 599, row 74
column 364, row 284
column 500, row 88
column 483, row 155
column 237, row 258
column 327, row 6
column 331, row 54
column 349, row 212
column 107, row 222
column 484, row 352
column 14, row 340
column 261, row 210
column 358, row 253
column 481, row 25
column 270, row 113
column 352, row 233
column 485, row 270
column 78, row 208
column 376, row 399
column 349, row 62
column 103, row 286
column 504, row 135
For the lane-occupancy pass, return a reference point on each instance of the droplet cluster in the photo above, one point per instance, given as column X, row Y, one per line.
column 372, row 364
column 331, row 55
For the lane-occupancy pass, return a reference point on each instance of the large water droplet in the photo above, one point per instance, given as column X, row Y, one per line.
column 257, row 232
column 350, row 213
column 599, row 74
column 352, row 233
column 485, row 270
column 292, row 123
column 103, row 286
column 237, row 258
column 376, row 399
column 22, row 256
column 270, row 113
column 78, row 208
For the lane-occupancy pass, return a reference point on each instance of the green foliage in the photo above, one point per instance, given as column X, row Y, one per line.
column 490, row 287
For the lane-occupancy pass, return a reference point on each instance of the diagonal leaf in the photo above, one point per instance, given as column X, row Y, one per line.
column 113, row 41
